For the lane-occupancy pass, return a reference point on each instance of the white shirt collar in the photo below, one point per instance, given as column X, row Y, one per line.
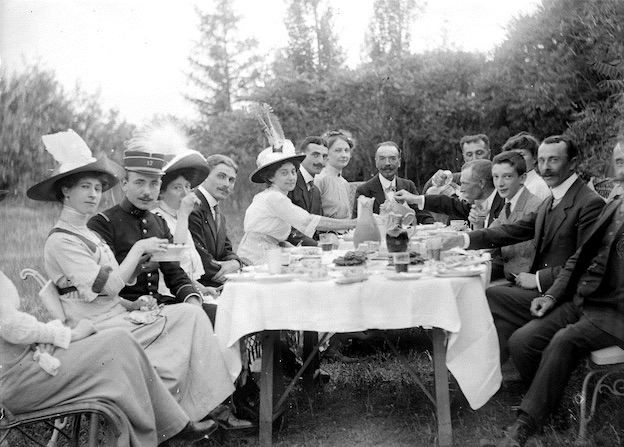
column 560, row 190
column 385, row 183
column 490, row 200
column 307, row 177
column 211, row 200
column 515, row 198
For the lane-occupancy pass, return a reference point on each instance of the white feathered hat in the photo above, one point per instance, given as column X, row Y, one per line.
column 73, row 156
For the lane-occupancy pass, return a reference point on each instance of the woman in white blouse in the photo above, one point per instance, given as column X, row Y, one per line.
column 271, row 215
column 183, row 173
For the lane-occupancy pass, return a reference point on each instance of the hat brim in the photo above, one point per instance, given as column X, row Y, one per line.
column 256, row 176
column 46, row 191
column 3, row 194
column 191, row 162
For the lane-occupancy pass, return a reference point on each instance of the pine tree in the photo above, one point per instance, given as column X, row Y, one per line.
column 313, row 46
column 389, row 32
column 224, row 66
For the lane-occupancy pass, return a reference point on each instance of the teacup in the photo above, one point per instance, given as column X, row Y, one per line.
column 458, row 225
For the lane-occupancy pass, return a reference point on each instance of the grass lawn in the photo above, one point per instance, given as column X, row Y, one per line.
column 373, row 402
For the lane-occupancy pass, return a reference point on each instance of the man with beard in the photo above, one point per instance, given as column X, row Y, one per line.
column 558, row 227
column 386, row 183
column 582, row 311
column 124, row 224
column 305, row 194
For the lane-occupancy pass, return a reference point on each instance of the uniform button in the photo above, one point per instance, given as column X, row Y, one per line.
column 144, row 221
column 584, row 283
column 144, row 231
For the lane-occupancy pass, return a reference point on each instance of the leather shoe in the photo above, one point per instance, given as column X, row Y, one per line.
column 519, row 432
column 195, row 431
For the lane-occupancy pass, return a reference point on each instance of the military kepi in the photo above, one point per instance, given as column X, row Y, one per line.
column 144, row 162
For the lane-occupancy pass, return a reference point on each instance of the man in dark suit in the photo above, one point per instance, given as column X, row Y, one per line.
column 476, row 184
column 558, row 227
column 305, row 194
column 207, row 224
column 581, row 312
column 386, row 183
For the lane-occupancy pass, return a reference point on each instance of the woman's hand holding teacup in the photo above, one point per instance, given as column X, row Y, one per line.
column 187, row 205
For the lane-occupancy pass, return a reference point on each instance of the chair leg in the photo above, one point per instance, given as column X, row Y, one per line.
column 584, row 419
column 75, row 433
column 94, row 422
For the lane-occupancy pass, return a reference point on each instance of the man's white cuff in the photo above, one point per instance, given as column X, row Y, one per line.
column 466, row 240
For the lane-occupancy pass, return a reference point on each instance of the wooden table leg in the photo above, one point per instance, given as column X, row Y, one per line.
column 443, row 404
column 269, row 340
column 310, row 339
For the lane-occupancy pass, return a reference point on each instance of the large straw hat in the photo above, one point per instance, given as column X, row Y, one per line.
column 189, row 160
column 74, row 156
column 269, row 157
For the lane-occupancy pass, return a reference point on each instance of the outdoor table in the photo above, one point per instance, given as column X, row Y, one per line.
column 464, row 336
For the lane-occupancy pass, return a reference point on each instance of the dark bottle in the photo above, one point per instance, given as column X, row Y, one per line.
column 397, row 239
column 397, row 243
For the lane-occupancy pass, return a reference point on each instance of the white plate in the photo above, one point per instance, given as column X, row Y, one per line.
column 404, row 276
column 173, row 253
column 457, row 273
column 350, row 279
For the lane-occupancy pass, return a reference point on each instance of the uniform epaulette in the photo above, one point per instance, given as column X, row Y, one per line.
column 101, row 213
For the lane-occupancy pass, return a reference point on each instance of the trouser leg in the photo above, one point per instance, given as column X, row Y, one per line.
column 510, row 306
column 546, row 352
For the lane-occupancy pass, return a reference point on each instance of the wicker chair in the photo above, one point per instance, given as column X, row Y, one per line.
column 62, row 420
column 603, row 364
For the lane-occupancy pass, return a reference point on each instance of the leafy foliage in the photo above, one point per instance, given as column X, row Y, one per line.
column 33, row 104
column 389, row 31
column 313, row 46
column 224, row 66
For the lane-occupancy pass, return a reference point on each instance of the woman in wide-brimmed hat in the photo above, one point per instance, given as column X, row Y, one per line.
column 178, row 339
column 271, row 215
column 184, row 172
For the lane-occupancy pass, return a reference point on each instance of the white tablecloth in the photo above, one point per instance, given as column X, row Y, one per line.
column 457, row 305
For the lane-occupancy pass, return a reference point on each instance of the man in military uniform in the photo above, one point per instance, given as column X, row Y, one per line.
column 124, row 224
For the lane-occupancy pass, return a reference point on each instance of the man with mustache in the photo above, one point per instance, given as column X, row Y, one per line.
column 386, row 183
column 305, row 194
column 582, row 311
column 207, row 224
column 558, row 227
column 124, row 224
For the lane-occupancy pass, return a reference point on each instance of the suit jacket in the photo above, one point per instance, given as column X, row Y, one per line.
column 601, row 305
column 211, row 244
column 518, row 257
column 556, row 234
column 460, row 209
column 308, row 200
column 373, row 188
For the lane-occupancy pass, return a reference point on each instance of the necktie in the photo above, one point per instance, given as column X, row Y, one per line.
column 310, row 185
column 507, row 210
column 217, row 216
